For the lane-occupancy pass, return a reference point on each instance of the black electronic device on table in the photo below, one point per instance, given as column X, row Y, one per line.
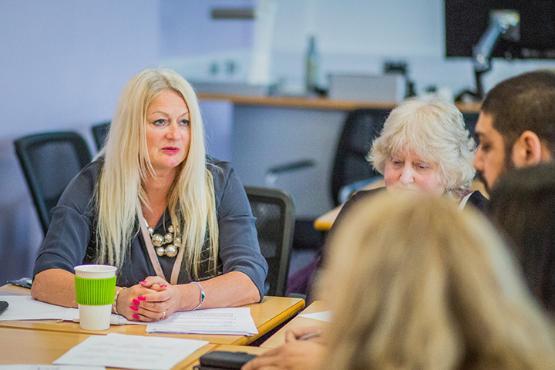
column 3, row 306
column 223, row 360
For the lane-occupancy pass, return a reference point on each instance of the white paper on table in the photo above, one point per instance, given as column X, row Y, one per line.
column 26, row 308
column 48, row 367
column 227, row 321
column 322, row 316
column 130, row 351
column 115, row 320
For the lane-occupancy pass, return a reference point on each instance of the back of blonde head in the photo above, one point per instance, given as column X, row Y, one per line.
column 120, row 193
column 415, row 283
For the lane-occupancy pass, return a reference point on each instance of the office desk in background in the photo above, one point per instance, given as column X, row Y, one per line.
column 272, row 312
column 307, row 102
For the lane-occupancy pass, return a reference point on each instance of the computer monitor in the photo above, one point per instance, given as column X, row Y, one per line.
column 510, row 29
column 467, row 20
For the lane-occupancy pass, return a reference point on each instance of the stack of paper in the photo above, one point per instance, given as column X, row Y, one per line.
column 230, row 321
column 130, row 352
column 26, row 308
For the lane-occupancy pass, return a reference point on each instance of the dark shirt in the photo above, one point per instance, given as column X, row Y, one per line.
column 70, row 239
column 476, row 199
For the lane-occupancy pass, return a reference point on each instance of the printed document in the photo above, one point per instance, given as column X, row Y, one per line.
column 130, row 352
column 227, row 321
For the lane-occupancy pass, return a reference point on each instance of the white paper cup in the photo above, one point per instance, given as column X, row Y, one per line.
column 95, row 287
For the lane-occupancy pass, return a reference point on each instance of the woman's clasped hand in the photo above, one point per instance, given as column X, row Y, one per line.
column 153, row 299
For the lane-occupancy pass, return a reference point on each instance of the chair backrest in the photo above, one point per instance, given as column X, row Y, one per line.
column 49, row 161
column 360, row 129
column 470, row 120
column 275, row 223
column 99, row 132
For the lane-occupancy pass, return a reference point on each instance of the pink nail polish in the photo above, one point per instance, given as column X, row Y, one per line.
column 134, row 308
column 136, row 316
column 136, row 302
column 141, row 298
column 163, row 286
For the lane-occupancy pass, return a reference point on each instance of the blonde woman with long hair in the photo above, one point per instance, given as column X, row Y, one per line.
column 175, row 222
column 429, row 287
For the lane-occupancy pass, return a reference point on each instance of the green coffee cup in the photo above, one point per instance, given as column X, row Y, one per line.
column 95, row 288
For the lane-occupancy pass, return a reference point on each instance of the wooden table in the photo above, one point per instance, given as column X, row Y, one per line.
column 278, row 338
column 39, row 347
column 267, row 315
column 326, row 220
column 23, row 346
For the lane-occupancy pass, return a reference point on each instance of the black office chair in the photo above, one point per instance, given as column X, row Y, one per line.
column 100, row 132
column 275, row 222
column 49, row 161
column 470, row 120
column 360, row 129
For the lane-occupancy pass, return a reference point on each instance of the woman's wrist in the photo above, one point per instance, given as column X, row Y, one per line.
column 202, row 295
column 115, row 304
column 190, row 297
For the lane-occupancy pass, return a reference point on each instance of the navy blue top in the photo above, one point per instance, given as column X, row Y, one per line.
column 70, row 240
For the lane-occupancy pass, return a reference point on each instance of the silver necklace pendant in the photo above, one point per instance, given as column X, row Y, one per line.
column 157, row 240
column 171, row 251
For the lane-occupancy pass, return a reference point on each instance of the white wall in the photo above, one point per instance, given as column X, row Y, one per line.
column 62, row 66
column 355, row 35
column 352, row 35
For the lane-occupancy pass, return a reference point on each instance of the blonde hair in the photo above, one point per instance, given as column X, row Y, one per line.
column 435, row 130
column 414, row 283
column 127, row 165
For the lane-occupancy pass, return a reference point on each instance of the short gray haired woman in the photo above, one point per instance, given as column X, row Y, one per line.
column 425, row 146
column 175, row 222
column 432, row 133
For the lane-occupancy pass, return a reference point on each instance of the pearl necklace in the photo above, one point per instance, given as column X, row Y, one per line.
column 167, row 244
